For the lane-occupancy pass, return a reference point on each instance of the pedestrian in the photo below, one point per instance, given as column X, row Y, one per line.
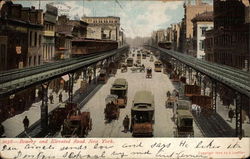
column 231, row 114
column 126, row 124
column 168, row 94
column 177, row 94
column 60, row 97
column 193, row 108
column 198, row 110
column 1, row 130
column 51, row 98
column 89, row 79
column 26, row 123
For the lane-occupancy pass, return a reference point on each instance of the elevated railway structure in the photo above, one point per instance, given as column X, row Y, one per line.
column 16, row 80
column 235, row 79
column 19, row 79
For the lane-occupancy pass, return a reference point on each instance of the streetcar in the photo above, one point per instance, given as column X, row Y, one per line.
column 142, row 114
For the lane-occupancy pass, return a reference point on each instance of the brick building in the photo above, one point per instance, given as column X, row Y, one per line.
column 228, row 42
column 66, row 30
column 20, row 34
column 104, row 28
column 50, row 17
column 20, row 46
column 173, row 35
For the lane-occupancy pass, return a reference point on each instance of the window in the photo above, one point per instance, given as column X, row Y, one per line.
column 39, row 60
column 31, row 38
column 203, row 30
column 35, row 39
column 3, row 56
column 40, row 40
column 44, row 51
column 30, row 58
column 34, row 60
column 202, row 44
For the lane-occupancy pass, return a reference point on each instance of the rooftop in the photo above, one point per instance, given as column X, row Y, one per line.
column 205, row 16
column 120, row 81
column 144, row 97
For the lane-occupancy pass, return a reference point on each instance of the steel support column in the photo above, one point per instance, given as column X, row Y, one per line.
column 198, row 78
column 179, row 67
column 71, row 85
column 190, row 75
column 95, row 73
column 238, row 126
column 185, row 71
column 84, row 73
column 204, row 82
column 214, row 94
column 44, row 107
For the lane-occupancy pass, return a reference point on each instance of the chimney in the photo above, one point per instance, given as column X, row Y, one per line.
column 39, row 16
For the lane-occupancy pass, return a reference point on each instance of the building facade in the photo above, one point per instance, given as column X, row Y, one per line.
column 20, row 46
column 50, row 18
column 20, row 34
column 35, row 34
column 67, row 30
column 190, row 11
column 104, row 28
column 231, row 33
column 173, row 35
column 202, row 22
column 209, row 45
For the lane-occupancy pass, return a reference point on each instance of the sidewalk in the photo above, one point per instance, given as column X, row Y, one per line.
column 14, row 126
column 223, row 112
column 36, row 131
column 218, row 124
column 213, row 126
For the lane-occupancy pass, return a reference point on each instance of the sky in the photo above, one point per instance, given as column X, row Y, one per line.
column 138, row 18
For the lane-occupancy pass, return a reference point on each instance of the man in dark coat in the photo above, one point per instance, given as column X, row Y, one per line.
column 126, row 123
column 26, row 123
column 168, row 94
column 231, row 114
column 60, row 97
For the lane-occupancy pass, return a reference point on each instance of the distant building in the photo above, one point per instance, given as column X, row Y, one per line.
column 173, row 35
column 190, row 11
column 202, row 22
column 20, row 36
column 66, row 30
column 160, row 35
column 103, row 28
column 50, row 18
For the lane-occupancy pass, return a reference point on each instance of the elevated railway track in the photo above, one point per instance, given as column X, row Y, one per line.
column 234, row 78
column 15, row 80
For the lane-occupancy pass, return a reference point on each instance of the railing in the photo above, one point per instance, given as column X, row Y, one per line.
column 19, row 79
column 234, row 78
